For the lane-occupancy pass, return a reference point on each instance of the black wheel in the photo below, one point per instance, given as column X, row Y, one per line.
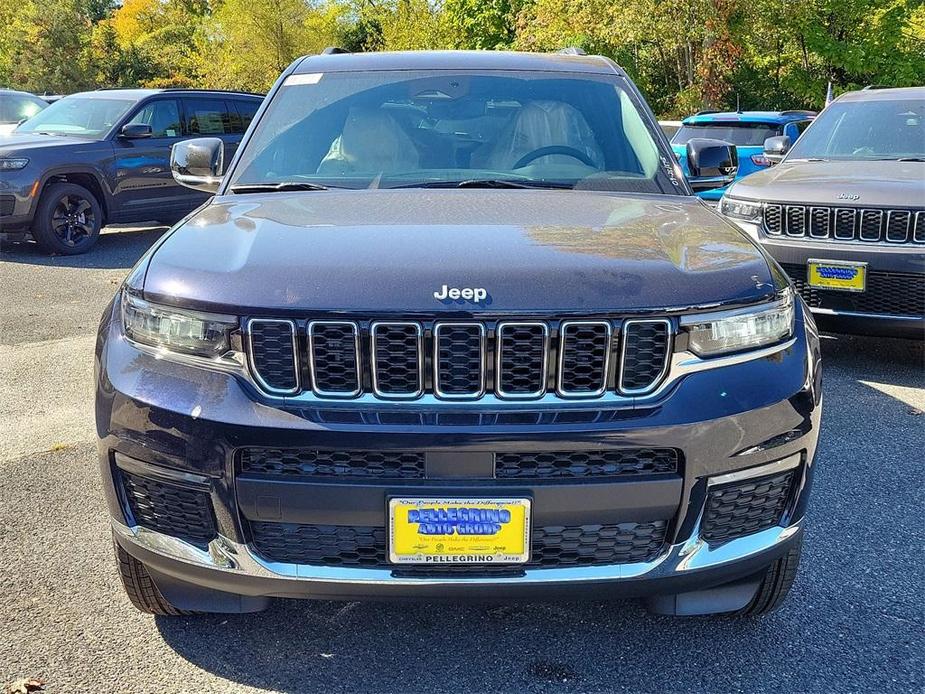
column 139, row 587
column 68, row 219
column 774, row 585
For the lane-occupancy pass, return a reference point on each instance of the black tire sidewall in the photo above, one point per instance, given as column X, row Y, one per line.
column 42, row 227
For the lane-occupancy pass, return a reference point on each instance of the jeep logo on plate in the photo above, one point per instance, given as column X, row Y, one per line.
column 474, row 294
column 848, row 196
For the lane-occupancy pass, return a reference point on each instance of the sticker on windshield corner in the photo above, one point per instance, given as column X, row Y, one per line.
column 308, row 78
column 670, row 170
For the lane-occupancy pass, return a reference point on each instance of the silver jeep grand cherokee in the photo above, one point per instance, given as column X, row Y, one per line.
column 844, row 212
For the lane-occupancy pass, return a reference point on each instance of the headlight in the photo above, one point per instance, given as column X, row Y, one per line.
column 740, row 209
column 13, row 164
column 176, row 330
column 735, row 331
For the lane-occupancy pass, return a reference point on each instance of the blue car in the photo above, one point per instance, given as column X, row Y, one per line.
column 747, row 130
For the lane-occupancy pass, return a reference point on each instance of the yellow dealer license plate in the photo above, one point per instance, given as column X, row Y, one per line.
column 837, row 274
column 459, row 531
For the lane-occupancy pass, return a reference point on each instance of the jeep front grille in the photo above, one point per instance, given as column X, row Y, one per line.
column 513, row 360
column 845, row 223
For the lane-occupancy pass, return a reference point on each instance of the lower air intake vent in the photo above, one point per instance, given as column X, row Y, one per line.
column 302, row 462
column 646, row 350
column 169, row 508
column 742, row 508
column 584, row 464
column 273, row 354
column 551, row 546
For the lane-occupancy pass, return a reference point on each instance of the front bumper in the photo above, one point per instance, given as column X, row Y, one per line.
column 182, row 422
column 894, row 304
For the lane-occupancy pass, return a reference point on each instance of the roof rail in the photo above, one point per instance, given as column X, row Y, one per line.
column 876, row 86
column 211, row 91
column 334, row 50
column 798, row 111
column 572, row 50
column 704, row 113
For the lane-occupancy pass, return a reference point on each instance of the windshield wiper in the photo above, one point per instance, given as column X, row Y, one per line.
column 908, row 159
column 276, row 187
column 485, row 183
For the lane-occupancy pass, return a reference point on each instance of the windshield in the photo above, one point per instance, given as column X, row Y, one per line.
column 81, row 116
column 412, row 128
column 18, row 107
column 741, row 134
column 882, row 129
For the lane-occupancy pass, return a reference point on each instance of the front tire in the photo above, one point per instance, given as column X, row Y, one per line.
column 775, row 584
column 141, row 590
column 68, row 219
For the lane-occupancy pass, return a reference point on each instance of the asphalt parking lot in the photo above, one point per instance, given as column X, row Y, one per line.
column 854, row 621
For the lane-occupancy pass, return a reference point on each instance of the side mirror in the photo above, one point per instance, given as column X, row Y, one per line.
column 136, row 131
column 199, row 163
column 712, row 163
column 775, row 148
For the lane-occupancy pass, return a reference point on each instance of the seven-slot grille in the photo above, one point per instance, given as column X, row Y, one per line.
column 459, row 360
column 845, row 223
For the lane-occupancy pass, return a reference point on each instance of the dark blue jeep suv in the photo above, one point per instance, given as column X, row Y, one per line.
column 455, row 325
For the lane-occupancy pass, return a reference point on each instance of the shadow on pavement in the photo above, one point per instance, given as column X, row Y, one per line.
column 117, row 248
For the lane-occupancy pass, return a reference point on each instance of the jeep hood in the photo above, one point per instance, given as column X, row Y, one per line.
column 20, row 143
column 389, row 251
column 876, row 183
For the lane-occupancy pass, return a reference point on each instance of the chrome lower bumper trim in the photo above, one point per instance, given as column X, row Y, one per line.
column 227, row 556
column 860, row 314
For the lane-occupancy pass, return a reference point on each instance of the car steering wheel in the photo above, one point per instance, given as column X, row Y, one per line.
column 554, row 149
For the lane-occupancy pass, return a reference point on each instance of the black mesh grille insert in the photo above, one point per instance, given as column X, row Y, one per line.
column 891, row 293
column 551, row 546
column 742, row 508
column 796, row 220
column 870, row 225
column 6, row 205
column 273, row 354
column 774, row 219
column 645, row 353
column 459, row 365
column 334, row 358
column 819, row 222
column 301, row 462
column 169, row 508
column 585, row 349
column 521, row 359
column 897, row 226
column 844, row 224
column 397, row 349
column 581, row 464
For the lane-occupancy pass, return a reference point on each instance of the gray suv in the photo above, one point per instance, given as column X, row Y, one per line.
column 104, row 158
column 844, row 212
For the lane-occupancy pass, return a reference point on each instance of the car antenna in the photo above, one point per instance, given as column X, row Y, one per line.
column 738, row 107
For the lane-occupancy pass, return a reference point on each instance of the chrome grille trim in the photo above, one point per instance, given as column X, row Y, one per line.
column 845, row 220
column 669, row 348
column 295, row 353
column 605, row 377
column 373, row 332
column 312, row 326
column 820, row 222
column 830, row 222
column 871, row 215
column 903, row 226
column 483, row 349
column 499, row 383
